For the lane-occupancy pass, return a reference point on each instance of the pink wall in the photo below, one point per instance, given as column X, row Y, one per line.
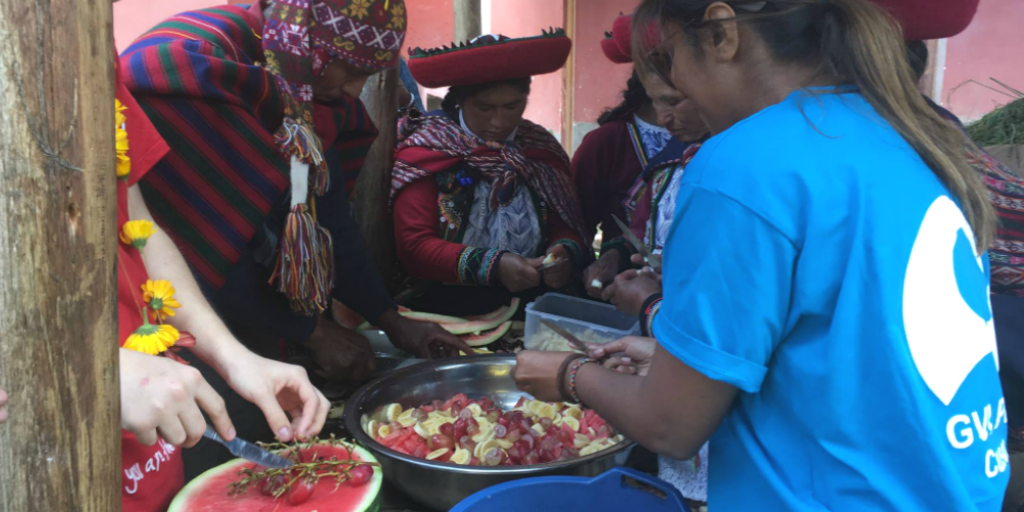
column 598, row 80
column 990, row 47
column 132, row 18
column 521, row 18
column 431, row 24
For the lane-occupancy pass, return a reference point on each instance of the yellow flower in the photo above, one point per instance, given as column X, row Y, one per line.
column 136, row 232
column 124, row 163
column 152, row 339
column 359, row 9
column 159, row 296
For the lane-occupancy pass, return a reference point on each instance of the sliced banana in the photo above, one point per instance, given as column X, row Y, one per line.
column 573, row 411
column 475, row 409
column 572, row 423
column 371, row 428
column 484, row 435
column 538, row 429
column 422, row 430
column 485, row 447
column 385, row 430
column 545, row 410
column 557, row 420
column 436, row 453
column 405, row 414
column 407, row 422
column 461, row 456
column 618, row 439
column 392, row 412
column 581, row 441
column 592, row 448
column 505, row 444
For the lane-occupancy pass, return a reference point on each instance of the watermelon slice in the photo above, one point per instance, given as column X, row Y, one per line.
column 209, row 491
column 487, row 337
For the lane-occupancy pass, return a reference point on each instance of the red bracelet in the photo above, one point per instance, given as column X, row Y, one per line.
column 573, row 370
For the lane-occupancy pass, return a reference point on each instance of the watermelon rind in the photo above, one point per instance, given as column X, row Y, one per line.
column 371, row 502
column 487, row 337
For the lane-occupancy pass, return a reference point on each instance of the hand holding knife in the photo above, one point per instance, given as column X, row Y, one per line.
column 653, row 260
column 248, row 451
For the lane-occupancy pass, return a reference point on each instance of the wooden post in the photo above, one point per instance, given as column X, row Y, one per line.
column 467, row 19
column 370, row 202
column 60, row 448
column 569, row 79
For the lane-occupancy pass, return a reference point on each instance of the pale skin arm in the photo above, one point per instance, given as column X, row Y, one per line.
column 276, row 388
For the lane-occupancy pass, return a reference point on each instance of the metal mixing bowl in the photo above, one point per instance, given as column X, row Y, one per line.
column 441, row 485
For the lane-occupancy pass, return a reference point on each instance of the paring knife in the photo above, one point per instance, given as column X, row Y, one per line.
column 573, row 340
column 249, row 451
column 652, row 260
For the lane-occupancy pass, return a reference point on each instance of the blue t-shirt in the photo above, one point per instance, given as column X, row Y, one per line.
column 818, row 265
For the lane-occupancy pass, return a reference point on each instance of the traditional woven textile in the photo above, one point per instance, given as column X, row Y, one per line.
column 428, row 145
column 198, row 78
column 1006, row 193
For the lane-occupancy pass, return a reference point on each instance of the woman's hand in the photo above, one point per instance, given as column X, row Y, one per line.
column 558, row 276
column 632, row 354
column 162, row 398
column 536, row 373
column 342, row 354
column 518, row 273
column 631, row 288
column 280, row 390
column 603, row 271
column 3, row 406
column 425, row 340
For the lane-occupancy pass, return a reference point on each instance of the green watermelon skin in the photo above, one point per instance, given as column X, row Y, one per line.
column 209, row 491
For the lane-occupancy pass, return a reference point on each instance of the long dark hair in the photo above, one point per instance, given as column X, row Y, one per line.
column 851, row 42
column 459, row 93
column 634, row 97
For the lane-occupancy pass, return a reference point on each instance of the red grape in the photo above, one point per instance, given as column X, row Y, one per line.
column 531, row 459
column 447, row 429
column 522, row 447
column 517, row 416
column 515, row 454
column 552, row 430
column 474, row 461
column 438, row 441
column 494, row 457
column 359, row 475
column 545, row 422
column 457, row 410
column 566, row 438
column 301, row 491
column 549, row 443
column 504, row 420
column 268, row 485
column 473, row 429
column 486, row 404
column 500, row 431
column 465, row 414
column 514, row 435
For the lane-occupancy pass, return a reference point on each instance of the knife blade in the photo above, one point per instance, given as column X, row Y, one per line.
column 248, row 451
column 652, row 260
column 573, row 340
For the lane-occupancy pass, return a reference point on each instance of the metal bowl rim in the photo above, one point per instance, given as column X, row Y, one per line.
column 353, row 412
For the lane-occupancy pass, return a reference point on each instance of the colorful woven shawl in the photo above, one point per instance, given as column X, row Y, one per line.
column 428, row 145
column 197, row 76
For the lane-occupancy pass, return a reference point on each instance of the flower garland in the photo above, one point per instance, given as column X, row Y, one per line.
column 149, row 338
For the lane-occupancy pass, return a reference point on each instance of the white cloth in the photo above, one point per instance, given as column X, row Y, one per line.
column 662, row 219
column 653, row 137
column 514, row 227
column 680, row 473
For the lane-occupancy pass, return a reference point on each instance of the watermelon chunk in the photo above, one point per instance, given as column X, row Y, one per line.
column 209, row 492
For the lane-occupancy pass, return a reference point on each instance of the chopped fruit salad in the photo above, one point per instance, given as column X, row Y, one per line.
column 480, row 433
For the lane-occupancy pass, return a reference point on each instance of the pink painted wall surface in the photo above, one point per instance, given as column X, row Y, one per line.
column 132, row 18
column 431, row 24
column 598, row 80
column 990, row 47
column 521, row 18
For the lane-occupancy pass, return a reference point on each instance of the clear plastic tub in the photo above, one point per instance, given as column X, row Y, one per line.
column 589, row 321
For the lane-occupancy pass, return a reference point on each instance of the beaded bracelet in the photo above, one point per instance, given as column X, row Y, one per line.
column 573, row 370
column 647, row 313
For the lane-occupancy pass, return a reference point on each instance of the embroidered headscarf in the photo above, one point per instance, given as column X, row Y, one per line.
column 301, row 38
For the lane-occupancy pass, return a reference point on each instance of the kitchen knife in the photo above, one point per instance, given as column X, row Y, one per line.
column 249, row 451
column 652, row 260
column 573, row 340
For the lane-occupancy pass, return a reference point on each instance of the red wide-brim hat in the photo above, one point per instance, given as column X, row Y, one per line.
column 622, row 31
column 490, row 60
column 610, row 47
column 931, row 19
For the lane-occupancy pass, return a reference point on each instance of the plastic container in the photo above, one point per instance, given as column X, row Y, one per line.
column 590, row 321
column 613, row 491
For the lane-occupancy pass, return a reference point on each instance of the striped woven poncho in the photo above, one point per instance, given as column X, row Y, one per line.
column 199, row 79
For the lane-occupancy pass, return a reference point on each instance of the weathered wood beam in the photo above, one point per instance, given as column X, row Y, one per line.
column 60, row 448
column 467, row 19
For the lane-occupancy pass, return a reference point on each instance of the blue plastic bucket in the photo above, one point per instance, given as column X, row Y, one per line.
column 617, row 490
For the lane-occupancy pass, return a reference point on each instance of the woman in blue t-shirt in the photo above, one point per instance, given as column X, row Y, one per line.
column 825, row 320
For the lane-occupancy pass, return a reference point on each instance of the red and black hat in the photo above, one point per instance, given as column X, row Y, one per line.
column 610, row 47
column 931, row 19
column 490, row 58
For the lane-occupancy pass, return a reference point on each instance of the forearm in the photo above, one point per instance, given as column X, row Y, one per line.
column 214, row 342
column 673, row 424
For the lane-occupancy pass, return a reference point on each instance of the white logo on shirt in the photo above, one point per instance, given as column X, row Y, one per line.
column 949, row 328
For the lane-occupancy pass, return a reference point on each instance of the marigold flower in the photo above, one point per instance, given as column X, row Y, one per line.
column 124, row 163
column 152, row 339
column 159, row 296
column 137, row 232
